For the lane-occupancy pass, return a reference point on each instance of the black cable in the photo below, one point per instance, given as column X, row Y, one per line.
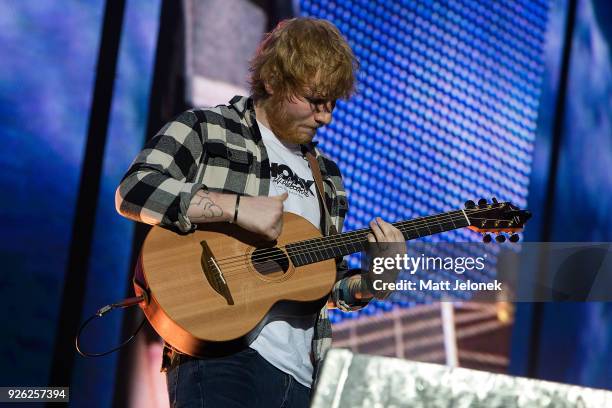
column 101, row 312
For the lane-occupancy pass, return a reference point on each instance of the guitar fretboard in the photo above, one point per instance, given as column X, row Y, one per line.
column 334, row 246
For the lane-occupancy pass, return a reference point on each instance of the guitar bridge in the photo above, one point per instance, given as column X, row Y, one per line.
column 213, row 274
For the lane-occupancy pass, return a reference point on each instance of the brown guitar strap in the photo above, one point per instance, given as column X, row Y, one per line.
column 316, row 173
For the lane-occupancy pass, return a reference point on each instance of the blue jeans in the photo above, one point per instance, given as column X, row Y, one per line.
column 244, row 379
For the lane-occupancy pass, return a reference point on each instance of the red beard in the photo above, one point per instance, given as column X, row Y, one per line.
column 280, row 124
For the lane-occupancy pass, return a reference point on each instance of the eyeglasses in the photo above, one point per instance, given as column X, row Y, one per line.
column 327, row 105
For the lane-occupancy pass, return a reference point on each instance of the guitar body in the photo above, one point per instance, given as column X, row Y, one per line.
column 210, row 292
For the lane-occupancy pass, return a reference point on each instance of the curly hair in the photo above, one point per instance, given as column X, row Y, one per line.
column 304, row 55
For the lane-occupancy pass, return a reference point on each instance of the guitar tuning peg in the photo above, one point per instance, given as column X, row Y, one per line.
column 482, row 203
column 494, row 200
column 469, row 204
column 500, row 238
column 514, row 238
column 486, row 238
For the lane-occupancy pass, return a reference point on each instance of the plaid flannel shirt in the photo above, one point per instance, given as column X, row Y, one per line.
column 220, row 149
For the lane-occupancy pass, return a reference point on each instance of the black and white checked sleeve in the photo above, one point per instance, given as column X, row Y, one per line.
column 344, row 290
column 158, row 186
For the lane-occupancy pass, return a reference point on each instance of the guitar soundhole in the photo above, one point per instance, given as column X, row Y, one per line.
column 270, row 262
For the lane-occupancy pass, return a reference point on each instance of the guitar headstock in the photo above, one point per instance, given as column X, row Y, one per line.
column 496, row 217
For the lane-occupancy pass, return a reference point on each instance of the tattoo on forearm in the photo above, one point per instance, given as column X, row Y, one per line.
column 203, row 207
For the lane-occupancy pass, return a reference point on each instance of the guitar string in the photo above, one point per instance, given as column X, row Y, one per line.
column 360, row 235
column 333, row 241
column 240, row 268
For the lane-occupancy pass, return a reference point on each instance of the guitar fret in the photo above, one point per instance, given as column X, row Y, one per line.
column 451, row 218
column 422, row 232
column 327, row 253
column 303, row 260
column 448, row 225
column 308, row 256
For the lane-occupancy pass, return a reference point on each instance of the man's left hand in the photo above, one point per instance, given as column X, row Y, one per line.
column 383, row 231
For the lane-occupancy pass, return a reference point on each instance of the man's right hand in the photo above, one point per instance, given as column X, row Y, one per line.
column 262, row 215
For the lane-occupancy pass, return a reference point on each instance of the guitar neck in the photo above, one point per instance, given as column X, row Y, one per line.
column 334, row 246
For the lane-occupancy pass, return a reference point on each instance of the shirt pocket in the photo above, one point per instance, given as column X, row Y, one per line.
column 227, row 167
column 231, row 157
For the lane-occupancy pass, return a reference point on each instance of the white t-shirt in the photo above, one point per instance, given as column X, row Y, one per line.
column 285, row 342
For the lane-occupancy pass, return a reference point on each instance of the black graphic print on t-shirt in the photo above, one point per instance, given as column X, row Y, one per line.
column 283, row 175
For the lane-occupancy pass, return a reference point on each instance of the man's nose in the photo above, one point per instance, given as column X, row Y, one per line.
column 323, row 113
column 323, row 117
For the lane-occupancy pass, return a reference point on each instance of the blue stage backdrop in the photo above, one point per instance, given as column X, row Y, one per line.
column 111, row 251
column 574, row 339
column 49, row 52
column 446, row 108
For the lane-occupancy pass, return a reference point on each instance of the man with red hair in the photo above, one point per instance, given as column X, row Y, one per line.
column 244, row 163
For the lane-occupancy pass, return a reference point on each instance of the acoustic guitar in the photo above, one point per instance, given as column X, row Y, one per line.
column 210, row 292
